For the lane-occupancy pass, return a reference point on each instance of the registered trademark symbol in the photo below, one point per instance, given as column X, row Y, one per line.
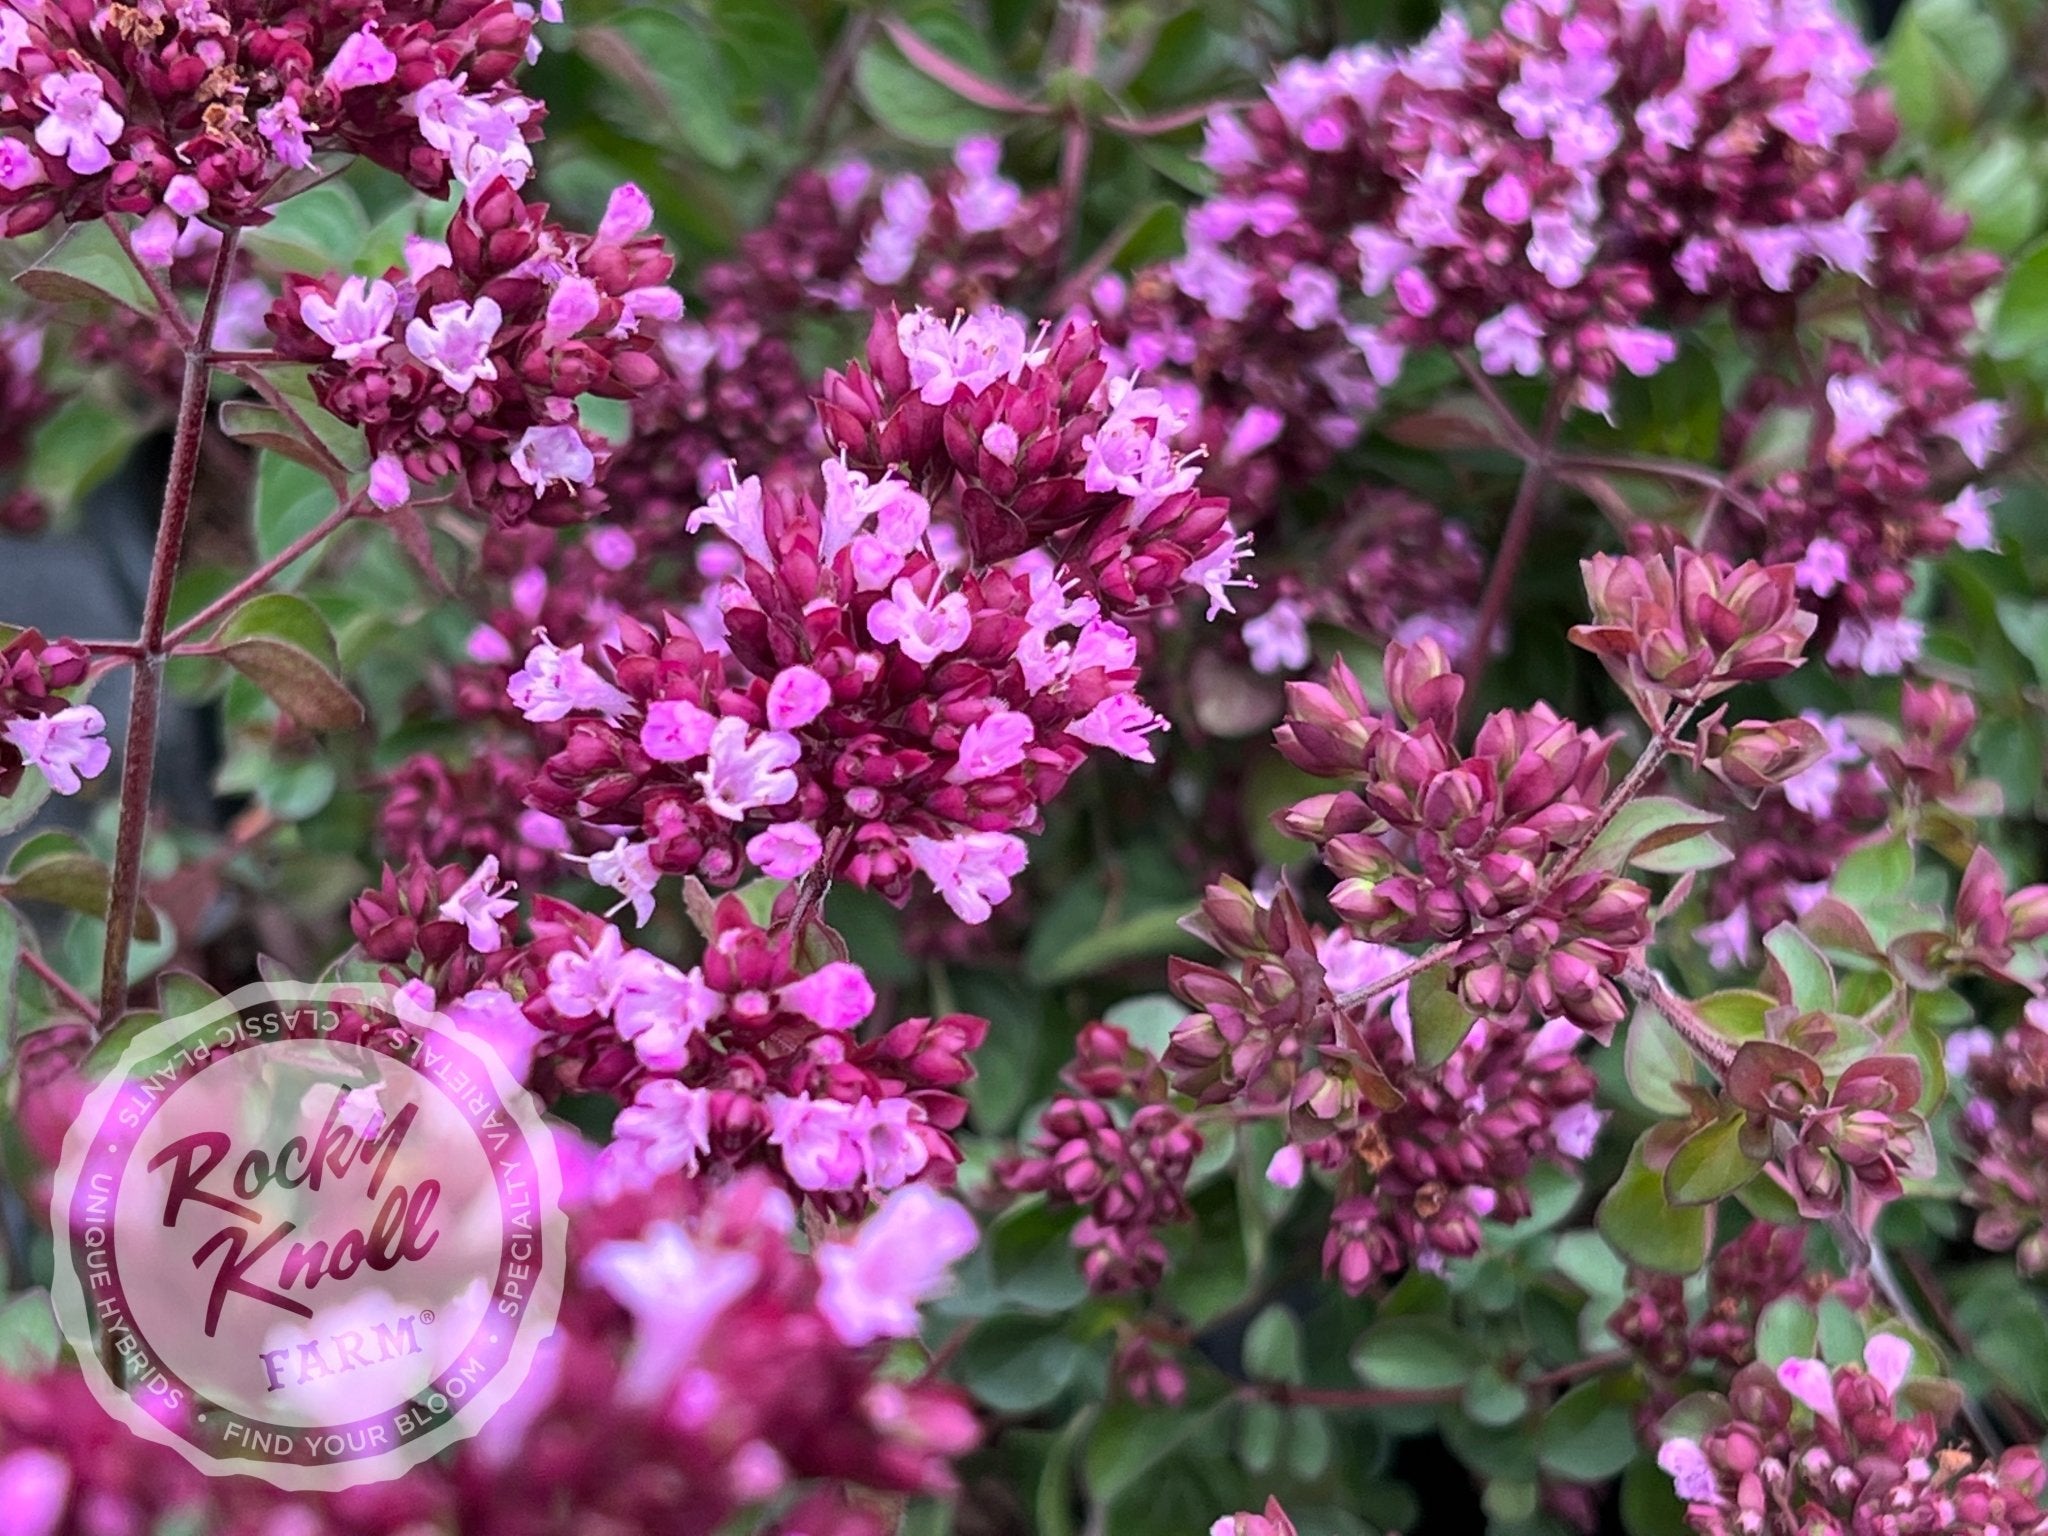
column 426, row 1314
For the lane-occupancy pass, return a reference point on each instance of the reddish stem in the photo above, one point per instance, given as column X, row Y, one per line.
column 1514, row 545
column 138, row 764
column 816, row 884
column 261, row 577
column 71, row 995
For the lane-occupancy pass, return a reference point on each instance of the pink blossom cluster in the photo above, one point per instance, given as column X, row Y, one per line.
column 469, row 360
column 1563, row 199
column 1035, row 442
column 1787, row 848
column 206, row 109
column 23, row 403
column 856, row 697
column 852, row 238
column 1414, row 1181
column 1273, row 1522
column 1419, row 1156
column 743, row 1060
column 39, row 727
column 1547, row 193
column 732, row 391
column 701, row 1369
column 576, row 585
column 1272, row 406
column 1679, row 1344
column 1432, row 844
column 1129, row 1174
column 463, row 814
column 844, row 240
column 1898, row 429
column 68, row 1468
column 1812, row 1451
column 1398, row 569
column 2000, row 1135
column 1392, row 568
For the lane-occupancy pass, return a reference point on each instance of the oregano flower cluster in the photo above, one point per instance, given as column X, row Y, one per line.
column 859, row 707
column 1566, row 199
column 1847, row 1449
column 742, row 1060
column 171, row 112
column 470, row 359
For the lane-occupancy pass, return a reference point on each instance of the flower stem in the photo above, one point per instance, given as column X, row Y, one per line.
column 47, row 974
column 1700, row 1037
column 1408, row 972
column 138, row 763
column 261, row 577
column 1878, row 1265
column 817, row 884
column 1514, row 545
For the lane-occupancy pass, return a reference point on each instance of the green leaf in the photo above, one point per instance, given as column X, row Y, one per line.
column 1018, row 1364
column 2001, row 192
column 1809, row 979
column 290, row 501
column 1153, row 931
column 1709, row 1164
column 1492, row 1400
column 77, row 881
column 1657, row 1063
column 1841, row 1335
column 1272, row 1346
column 1149, row 1020
column 263, row 426
column 180, row 993
column 1876, row 874
column 1943, row 59
column 2020, row 328
column 1650, row 1506
column 87, row 265
column 1786, row 1330
column 1589, row 1435
column 319, row 231
column 55, row 868
column 675, row 68
column 1702, row 850
column 20, row 808
column 345, row 442
column 1737, row 1014
column 283, row 646
column 1644, row 826
column 290, row 788
column 1260, row 1430
column 777, row 60
column 1055, row 1499
column 1414, row 1354
column 10, row 970
column 77, row 448
column 1647, row 1229
column 1442, row 1021
column 1006, row 1065
column 2016, row 1348
column 913, row 106
column 29, row 1341
column 1129, row 1441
